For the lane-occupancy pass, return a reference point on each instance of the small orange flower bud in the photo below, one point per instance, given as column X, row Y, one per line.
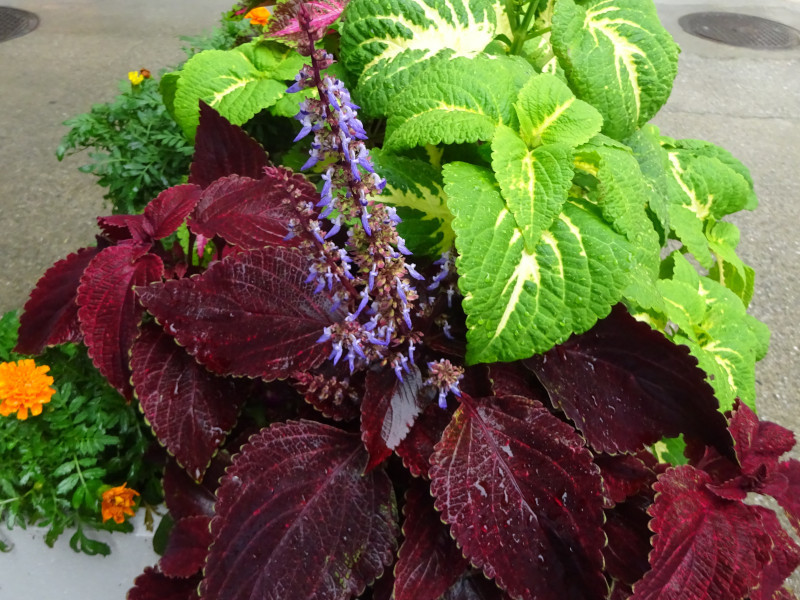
column 118, row 502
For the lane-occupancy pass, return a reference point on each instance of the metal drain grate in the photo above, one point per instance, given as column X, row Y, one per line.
column 15, row 23
column 745, row 31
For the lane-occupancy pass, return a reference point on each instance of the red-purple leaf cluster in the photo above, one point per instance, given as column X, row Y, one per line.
column 537, row 483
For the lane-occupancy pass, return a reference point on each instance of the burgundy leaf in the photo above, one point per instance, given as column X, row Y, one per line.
column 627, row 386
column 785, row 557
column 297, row 518
column 164, row 214
column 322, row 13
column 474, row 586
column 190, row 410
column 384, row 587
column 705, row 547
column 154, row 585
column 620, row 591
column 186, row 498
column 51, row 314
column 187, row 547
column 790, row 499
column 429, row 562
column 417, row 447
column 251, row 314
column 338, row 398
column 624, row 475
column 252, row 213
column 523, row 498
column 514, row 379
column 758, row 443
column 222, row 149
column 108, row 310
column 388, row 411
column 628, row 534
column 119, row 228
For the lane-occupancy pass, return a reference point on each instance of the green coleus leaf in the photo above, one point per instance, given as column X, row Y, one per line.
column 550, row 113
column 415, row 188
column 237, row 83
column 623, row 196
column 712, row 321
column 655, row 166
column 729, row 269
column 456, row 101
column 618, row 57
column 386, row 43
column 521, row 299
column 534, row 183
column 709, row 187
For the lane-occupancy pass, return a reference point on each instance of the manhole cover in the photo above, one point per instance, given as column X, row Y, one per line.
column 15, row 22
column 745, row 31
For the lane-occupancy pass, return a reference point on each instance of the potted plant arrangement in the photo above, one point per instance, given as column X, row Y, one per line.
column 437, row 314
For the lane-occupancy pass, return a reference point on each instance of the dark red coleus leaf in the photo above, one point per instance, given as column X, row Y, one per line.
column 759, row 444
column 624, row 475
column 297, row 518
column 190, row 409
column 626, row 386
column 628, row 533
column 790, row 499
column 162, row 216
column 185, row 497
column 252, row 213
column 785, row 558
column 222, row 149
column 705, row 547
column 429, row 562
column 417, row 447
column 472, row 585
column 187, row 547
column 389, row 409
column 109, row 312
column 514, row 379
column 251, row 314
column 51, row 314
column 523, row 498
column 154, row 585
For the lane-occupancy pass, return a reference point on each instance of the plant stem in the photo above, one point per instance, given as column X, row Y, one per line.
column 521, row 33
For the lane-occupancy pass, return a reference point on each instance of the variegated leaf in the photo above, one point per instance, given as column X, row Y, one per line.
column 386, row 43
column 617, row 57
column 521, row 299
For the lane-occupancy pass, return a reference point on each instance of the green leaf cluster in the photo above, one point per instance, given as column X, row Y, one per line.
column 54, row 467
column 532, row 130
column 136, row 149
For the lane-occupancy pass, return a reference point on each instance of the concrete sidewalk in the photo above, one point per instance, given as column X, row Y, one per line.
column 747, row 101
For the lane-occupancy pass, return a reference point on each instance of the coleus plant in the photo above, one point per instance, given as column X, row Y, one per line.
column 490, row 420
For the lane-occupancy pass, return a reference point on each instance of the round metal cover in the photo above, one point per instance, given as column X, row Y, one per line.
column 745, row 31
column 15, row 22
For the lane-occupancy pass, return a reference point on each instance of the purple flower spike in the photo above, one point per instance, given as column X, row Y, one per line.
column 412, row 270
column 365, row 221
column 442, row 399
column 326, row 335
column 401, row 246
column 336, row 354
column 337, row 225
column 400, row 292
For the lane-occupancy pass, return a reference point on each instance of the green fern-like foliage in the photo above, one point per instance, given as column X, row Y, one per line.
column 54, row 467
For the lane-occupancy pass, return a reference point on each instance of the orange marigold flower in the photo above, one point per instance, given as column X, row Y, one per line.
column 258, row 16
column 24, row 387
column 118, row 502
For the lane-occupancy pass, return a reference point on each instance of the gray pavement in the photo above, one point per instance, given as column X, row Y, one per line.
column 747, row 101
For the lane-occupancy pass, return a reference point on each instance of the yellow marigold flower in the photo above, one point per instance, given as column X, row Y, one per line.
column 24, row 387
column 258, row 16
column 118, row 502
column 135, row 77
